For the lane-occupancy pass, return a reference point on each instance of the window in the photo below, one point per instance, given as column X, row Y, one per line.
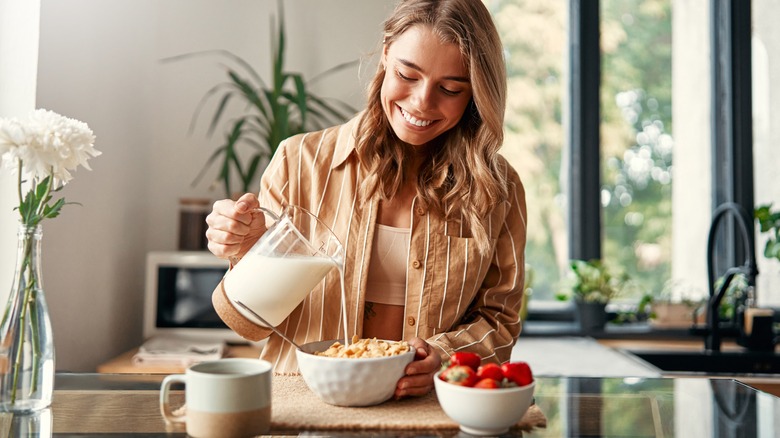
column 535, row 41
column 647, row 206
column 636, row 140
column 766, row 134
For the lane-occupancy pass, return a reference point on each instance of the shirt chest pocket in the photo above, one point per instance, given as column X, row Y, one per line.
column 456, row 273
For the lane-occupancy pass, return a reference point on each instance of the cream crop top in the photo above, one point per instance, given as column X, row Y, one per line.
column 386, row 282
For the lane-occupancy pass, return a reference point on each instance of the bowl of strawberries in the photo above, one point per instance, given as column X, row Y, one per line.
column 484, row 399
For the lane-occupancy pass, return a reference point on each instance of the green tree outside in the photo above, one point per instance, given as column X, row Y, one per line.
column 635, row 133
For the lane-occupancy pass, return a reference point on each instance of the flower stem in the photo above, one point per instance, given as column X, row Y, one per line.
column 19, row 187
column 28, row 287
column 36, row 339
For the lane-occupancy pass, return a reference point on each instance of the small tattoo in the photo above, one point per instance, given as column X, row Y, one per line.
column 368, row 312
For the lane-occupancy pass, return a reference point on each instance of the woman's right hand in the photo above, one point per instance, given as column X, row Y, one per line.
column 234, row 226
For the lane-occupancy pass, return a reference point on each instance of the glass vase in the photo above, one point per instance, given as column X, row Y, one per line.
column 26, row 346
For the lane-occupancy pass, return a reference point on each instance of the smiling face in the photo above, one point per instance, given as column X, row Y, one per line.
column 426, row 86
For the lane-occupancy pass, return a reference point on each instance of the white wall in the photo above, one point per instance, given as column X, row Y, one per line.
column 99, row 63
column 18, row 41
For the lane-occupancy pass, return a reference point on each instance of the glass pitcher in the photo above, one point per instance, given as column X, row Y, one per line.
column 287, row 263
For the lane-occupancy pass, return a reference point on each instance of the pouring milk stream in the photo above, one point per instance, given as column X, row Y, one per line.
column 290, row 259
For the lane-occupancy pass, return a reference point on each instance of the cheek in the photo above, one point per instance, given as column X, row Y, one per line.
column 455, row 110
column 386, row 95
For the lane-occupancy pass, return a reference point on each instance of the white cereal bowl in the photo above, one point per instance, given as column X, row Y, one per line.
column 350, row 382
column 481, row 411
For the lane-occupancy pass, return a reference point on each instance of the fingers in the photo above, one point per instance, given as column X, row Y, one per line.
column 233, row 227
column 414, row 386
column 419, row 374
column 247, row 203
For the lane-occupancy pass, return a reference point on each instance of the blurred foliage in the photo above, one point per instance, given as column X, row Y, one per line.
column 636, row 140
column 534, row 36
column 637, row 144
column 595, row 282
column 769, row 222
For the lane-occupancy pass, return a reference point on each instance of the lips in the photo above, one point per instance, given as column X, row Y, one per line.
column 414, row 120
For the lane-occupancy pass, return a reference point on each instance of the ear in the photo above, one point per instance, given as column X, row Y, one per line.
column 383, row 60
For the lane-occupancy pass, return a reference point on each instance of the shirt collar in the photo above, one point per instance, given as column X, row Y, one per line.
column 346, row 144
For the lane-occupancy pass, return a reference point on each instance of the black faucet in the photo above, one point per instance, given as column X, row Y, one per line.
column 713, row 335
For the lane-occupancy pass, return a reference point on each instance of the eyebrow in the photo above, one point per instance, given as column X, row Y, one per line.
column 414, row 66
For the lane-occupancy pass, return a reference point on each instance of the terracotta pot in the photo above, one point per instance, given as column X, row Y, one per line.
column 675, row 315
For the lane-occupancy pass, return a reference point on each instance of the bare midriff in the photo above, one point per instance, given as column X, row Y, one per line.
column 385, row 321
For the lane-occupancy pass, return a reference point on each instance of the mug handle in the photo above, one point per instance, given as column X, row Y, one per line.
column 165, row 406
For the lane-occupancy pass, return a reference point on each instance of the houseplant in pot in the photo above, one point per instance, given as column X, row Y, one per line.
column 594, row 286
column 271, row 111
column 675, row 306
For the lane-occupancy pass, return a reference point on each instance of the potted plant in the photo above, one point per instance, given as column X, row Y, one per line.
column 675, row 307
column 769, row 221
column 273, row 111
column 593, row 288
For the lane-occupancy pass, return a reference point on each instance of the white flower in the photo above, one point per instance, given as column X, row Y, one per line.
column 11, row 135
column 47, row 144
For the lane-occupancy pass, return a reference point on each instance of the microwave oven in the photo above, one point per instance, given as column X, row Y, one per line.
column 177, row 298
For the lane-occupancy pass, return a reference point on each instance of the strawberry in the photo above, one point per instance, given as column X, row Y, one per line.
column 471, row 360
column 459, row 375
column 490, row 371
column 488, row 383
column 518, row 372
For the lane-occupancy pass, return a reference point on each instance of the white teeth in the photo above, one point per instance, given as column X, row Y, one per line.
column 413, row 120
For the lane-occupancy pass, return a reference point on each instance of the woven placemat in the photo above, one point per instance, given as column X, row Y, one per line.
column 295, row 407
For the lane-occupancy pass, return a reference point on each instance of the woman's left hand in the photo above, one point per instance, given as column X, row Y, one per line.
column 419, row 373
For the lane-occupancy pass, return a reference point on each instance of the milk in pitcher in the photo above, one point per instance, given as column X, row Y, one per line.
column 274, row 286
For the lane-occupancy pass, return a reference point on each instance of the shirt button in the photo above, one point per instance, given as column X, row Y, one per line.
column 410, row 320
column 420, row 211
column 416, row 264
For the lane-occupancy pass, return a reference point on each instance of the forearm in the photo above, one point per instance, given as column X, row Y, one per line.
column 491, row 334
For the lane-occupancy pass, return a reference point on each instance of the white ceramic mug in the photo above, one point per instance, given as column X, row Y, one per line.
column 223, row 398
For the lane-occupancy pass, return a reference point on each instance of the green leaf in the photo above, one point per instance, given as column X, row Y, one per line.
column 279, row 51
column 52, row 211
column 218, row 114
column 250, row 172
column 772, row 249
column 202, row 102
column 300, row 96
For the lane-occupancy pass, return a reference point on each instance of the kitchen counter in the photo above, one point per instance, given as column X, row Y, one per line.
column 577, row 356
column 127, row 405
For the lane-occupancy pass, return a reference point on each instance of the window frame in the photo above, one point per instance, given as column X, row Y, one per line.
column 732, row 125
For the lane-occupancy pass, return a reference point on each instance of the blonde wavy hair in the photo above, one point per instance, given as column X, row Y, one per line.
column 461, row 177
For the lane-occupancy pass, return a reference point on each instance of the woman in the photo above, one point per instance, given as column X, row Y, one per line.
column 432, row 218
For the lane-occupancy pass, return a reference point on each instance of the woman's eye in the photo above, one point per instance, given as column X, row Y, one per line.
column 450, row 92
column 402, row 76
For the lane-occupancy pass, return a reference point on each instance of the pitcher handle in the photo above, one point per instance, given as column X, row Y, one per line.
column 268, row 212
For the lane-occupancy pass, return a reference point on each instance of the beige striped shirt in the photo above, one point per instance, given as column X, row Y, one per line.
column 456, row 299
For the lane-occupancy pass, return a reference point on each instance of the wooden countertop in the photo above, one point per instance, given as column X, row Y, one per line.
column 123, row 364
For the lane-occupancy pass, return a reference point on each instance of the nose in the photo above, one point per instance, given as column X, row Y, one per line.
column 422, row 95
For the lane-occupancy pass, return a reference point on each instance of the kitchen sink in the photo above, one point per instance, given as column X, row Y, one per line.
column 723, row 362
